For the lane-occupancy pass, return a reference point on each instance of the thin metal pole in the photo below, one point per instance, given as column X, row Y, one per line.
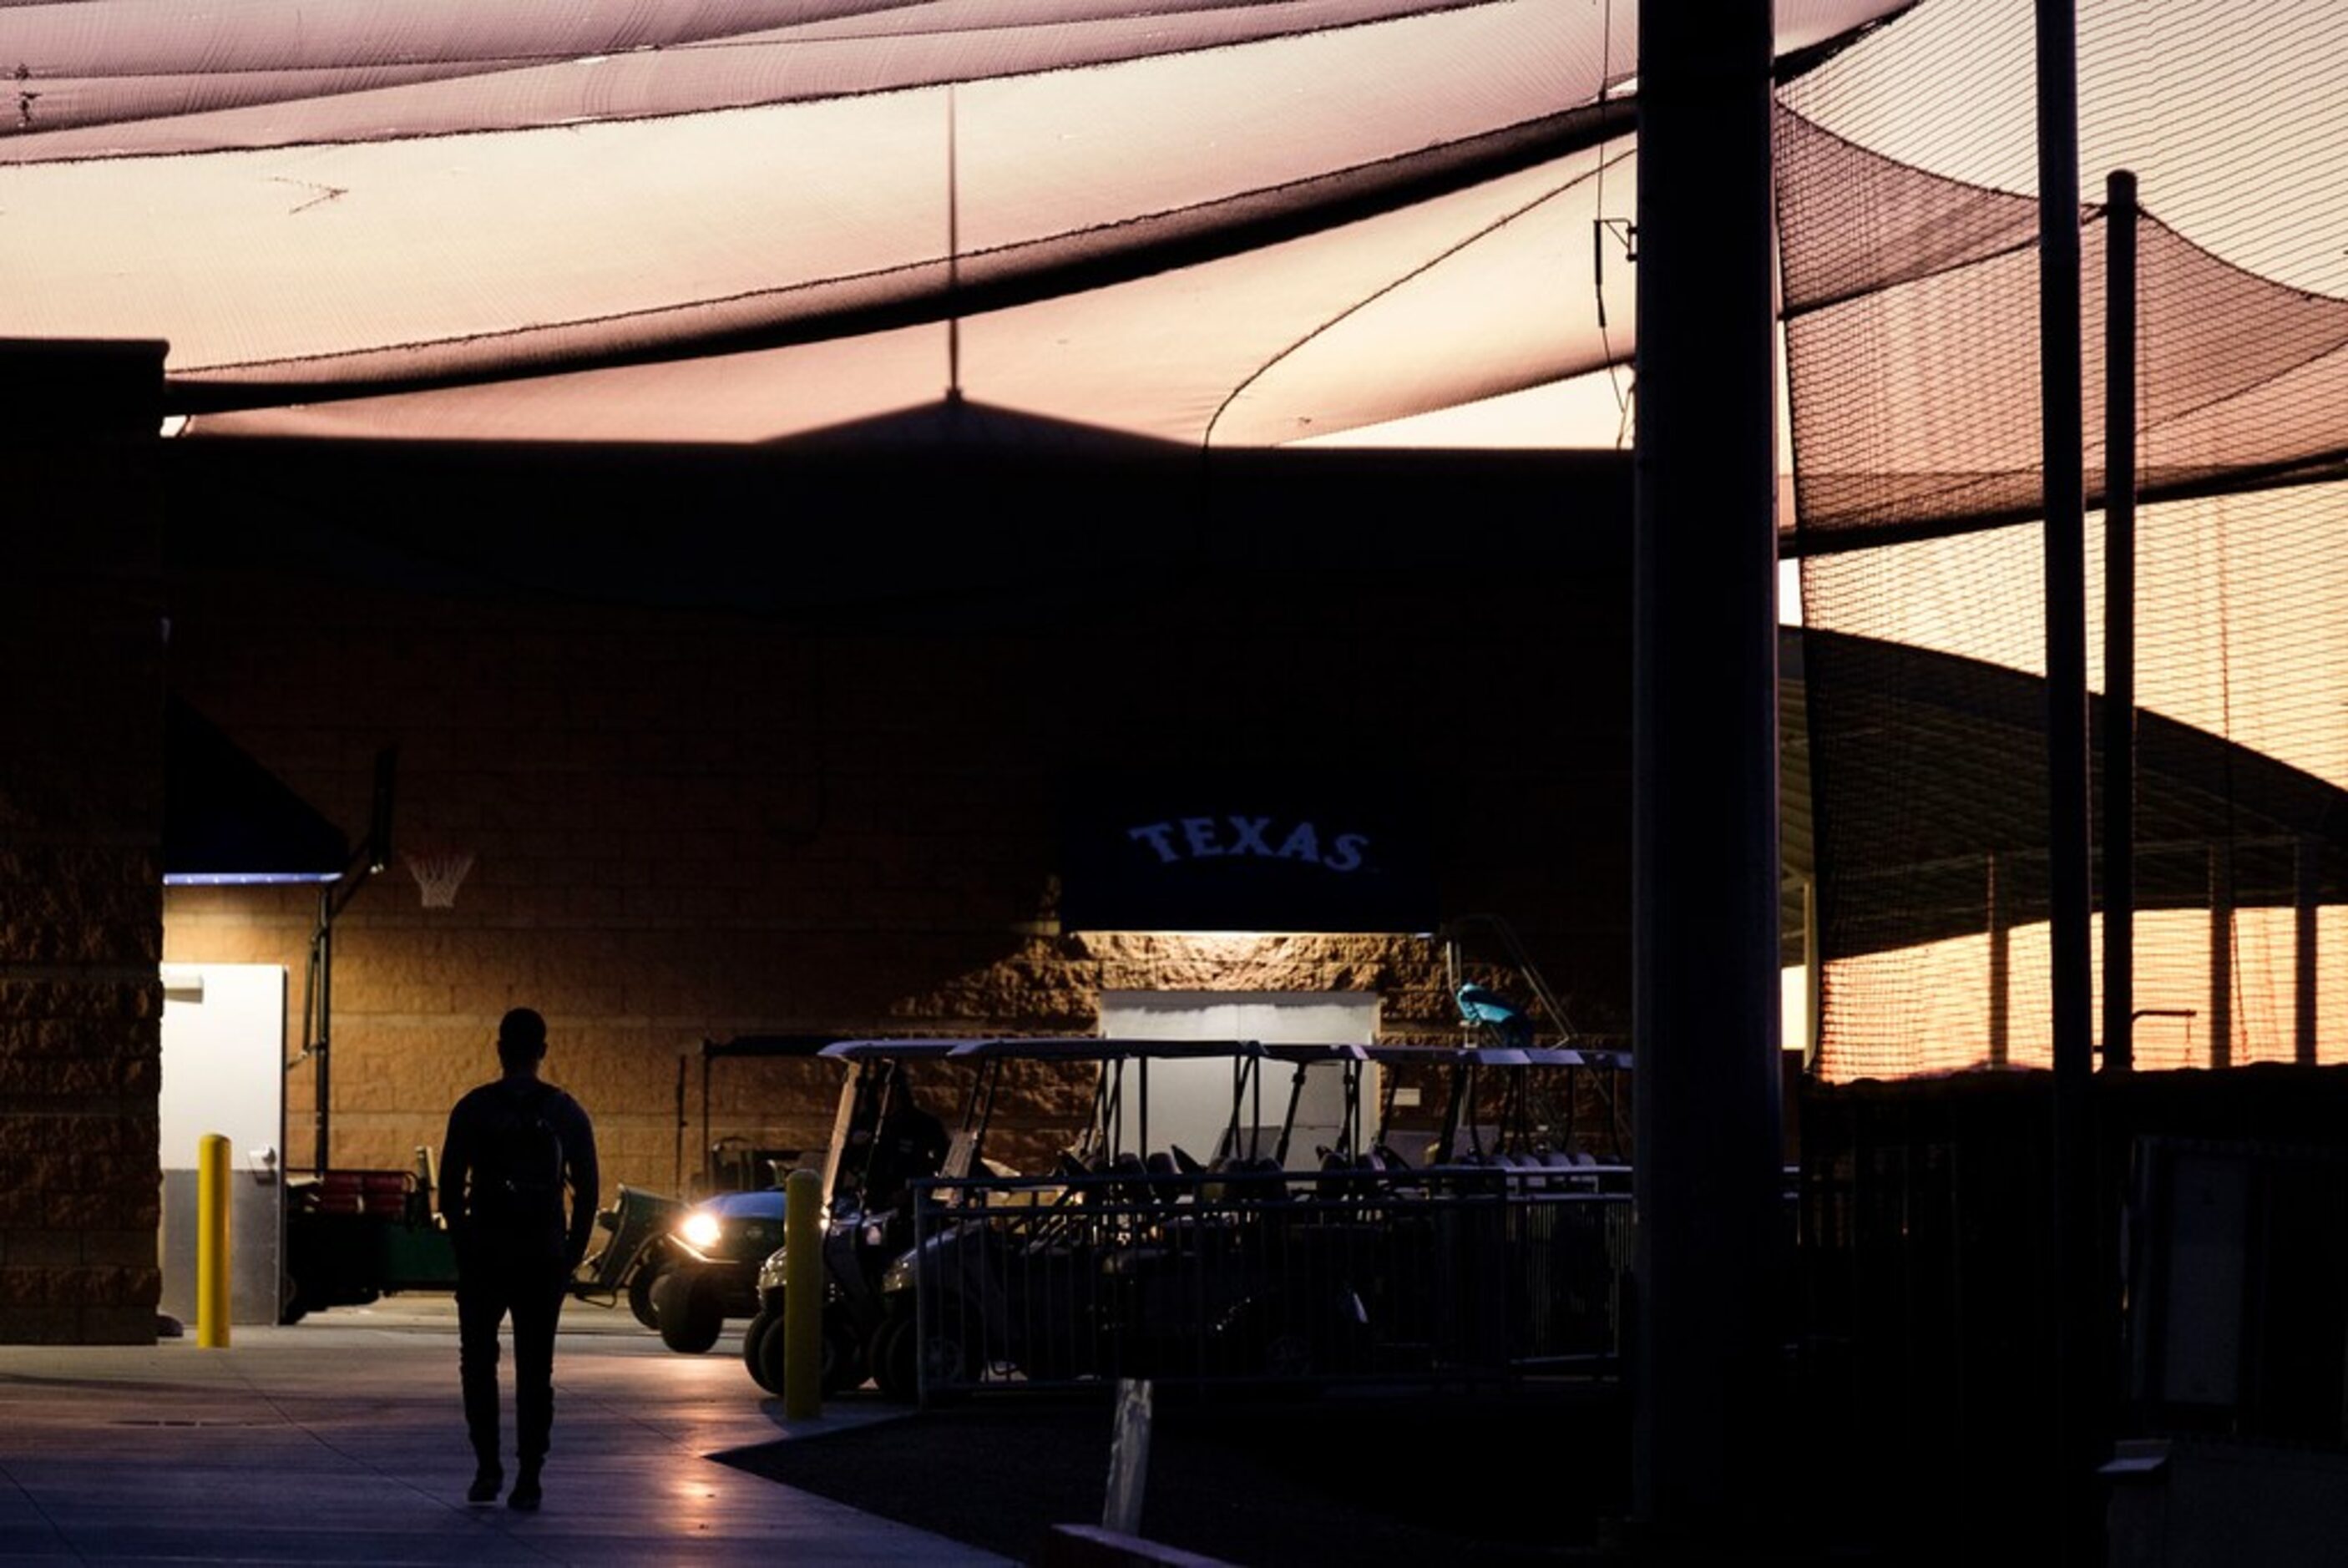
column 953, row 250
column 2307, row 897
column 1814, row 978
column 1708, row 1159
column 2077, row 1348
column 2119, row 620
column 2066, row 529
column 321, row 1046
column 2001, row 966
column 2221, row 954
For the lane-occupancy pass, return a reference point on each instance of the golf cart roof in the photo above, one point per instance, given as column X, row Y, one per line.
column 1501, row 1055
column 1090, row 1049
column 766, row 1045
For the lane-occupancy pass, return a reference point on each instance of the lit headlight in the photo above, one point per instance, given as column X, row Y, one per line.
column 699, row 1229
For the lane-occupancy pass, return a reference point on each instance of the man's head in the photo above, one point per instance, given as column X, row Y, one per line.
column 522, row 1039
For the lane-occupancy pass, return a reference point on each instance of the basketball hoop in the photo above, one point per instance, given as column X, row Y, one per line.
column 438, row 873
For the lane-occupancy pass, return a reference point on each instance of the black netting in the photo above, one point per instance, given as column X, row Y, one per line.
column 1912, row 319
column 1911, row 278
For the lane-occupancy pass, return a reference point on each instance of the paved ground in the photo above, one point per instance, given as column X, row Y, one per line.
column 339, row 1440
column 1400, row 1478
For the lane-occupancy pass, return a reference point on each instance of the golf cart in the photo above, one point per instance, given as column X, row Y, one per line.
column 1131, row 1257
column 1481, row 1239
column 701, row 1268
column 884, row 1143
column 1517, row 1199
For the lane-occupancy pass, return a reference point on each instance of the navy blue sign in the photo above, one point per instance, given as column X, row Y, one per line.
column 1160, row 852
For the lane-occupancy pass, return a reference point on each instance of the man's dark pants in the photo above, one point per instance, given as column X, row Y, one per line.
column 495, row 1278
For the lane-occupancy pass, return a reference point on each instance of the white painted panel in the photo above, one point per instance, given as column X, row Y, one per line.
column 1190, row 1102
column 224, row 1071
column 223, row 1059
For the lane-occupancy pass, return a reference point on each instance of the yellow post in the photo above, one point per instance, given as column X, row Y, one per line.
column 803, row 1295
column 211, row 1242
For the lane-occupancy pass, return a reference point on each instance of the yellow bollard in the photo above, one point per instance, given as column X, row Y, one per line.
column 803, row 1294
column 211, row 1242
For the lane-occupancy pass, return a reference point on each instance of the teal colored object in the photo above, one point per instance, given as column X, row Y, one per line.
column 1485, row 1009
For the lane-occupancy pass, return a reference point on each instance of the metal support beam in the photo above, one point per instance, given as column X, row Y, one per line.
column 2080, row 1350
column 2307, row 898
column 2001, row 969
column 2119, row 620
column 1705, row 849
column 2222, row 954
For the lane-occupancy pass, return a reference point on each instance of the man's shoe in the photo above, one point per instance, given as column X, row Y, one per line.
column 487, row 1480
column 525, row 1493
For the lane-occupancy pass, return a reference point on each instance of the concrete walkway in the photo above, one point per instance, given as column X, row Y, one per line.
column 339, row 1440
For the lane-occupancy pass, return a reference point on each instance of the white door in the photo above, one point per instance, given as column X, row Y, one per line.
column 1191, row 1101
column 224, row 1072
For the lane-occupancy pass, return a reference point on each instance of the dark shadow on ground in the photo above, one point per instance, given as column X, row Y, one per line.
column 1370, row 1479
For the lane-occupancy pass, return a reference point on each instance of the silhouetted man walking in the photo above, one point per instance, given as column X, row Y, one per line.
column 513, row 1148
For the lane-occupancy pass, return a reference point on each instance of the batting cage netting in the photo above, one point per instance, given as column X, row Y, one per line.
column 1910, row 290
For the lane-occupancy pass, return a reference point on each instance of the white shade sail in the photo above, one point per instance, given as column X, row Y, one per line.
column 1237, row 223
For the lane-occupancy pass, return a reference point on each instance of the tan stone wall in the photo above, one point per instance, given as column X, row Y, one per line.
column 81, row 693
column 693, row 825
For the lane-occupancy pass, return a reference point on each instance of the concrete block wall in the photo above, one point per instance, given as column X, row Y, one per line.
column 695, row 825
column 81, row 810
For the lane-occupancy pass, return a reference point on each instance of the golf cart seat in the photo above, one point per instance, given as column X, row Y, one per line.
column 1338, row 1179
column 1132, row 1185
column 1259, row 1179
column 1165, row 1177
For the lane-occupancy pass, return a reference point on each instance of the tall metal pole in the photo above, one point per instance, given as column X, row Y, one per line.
column 2307, row 898
column 2077, row 1350
column 322, row 963
column 2221, row 953
column 2119, row 620
column 953, row 250
column 2000, row 962
column 1704, row 852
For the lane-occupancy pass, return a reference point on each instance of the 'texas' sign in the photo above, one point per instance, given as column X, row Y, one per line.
column 1202, row 838
column 1155, row 852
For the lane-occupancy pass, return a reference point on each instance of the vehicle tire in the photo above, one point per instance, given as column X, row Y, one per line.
column 894, row 1371
column 1258, row 1343
column 949, row 1363
column 774, row 1355
column 761, row 1328
column 1287, row 1355
column 843, row 1354
column 639, row 1295
column 690, row 1316
column 903, row 1359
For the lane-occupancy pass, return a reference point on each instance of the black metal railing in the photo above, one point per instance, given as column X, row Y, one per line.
column 1481, row 1272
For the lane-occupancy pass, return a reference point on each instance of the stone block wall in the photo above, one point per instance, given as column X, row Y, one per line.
column 81, row 808
column 692, row 824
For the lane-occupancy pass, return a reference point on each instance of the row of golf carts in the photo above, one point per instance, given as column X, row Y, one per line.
column 1222, row 1211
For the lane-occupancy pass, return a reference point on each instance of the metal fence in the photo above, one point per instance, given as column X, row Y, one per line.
column 1462, row 1273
